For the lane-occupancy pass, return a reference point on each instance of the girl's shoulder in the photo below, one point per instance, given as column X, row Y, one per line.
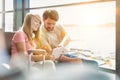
column 20, row 32
column 20, row 36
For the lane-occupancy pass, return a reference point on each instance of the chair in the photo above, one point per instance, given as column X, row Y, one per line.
column 8, row 38
column 35, row 51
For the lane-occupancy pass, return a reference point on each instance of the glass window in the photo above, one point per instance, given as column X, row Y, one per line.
column 40, row 3
column 8, row 22
column 0, row 20
column 0, row 5
column 8, row 5
column 91, row 27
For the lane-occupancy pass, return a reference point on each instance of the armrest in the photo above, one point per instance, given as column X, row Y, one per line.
column 36, row 51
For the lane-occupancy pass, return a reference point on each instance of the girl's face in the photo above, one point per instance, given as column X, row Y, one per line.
column 35, row 23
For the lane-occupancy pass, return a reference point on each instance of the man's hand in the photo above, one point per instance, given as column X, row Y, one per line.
column 60, row 45
column 58, row 51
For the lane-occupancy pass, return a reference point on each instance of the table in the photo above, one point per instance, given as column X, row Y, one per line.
column 106, row 61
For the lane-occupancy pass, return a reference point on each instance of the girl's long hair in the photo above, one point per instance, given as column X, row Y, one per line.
column 26, row 27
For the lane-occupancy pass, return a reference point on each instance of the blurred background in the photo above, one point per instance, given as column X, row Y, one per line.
column 91, row 24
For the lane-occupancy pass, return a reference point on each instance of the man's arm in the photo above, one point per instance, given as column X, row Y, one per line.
column 45, row 45
column 65, row 41
column 65, row 38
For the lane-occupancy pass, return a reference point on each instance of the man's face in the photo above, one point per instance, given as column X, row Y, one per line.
column 49, row 24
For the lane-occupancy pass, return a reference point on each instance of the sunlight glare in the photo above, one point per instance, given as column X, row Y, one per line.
column 97, row 14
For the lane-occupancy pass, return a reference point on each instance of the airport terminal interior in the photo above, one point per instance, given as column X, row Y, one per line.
column 92, row 25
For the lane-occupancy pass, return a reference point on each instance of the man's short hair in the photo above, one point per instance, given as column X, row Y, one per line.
column 52, row 14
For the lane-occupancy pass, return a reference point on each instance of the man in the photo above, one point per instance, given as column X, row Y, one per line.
column 53, row 34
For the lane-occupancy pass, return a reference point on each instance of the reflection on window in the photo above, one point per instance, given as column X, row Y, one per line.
column 40, row 3
column 8, row 22
column 8, row 5
column 0, row 5
column 0, row 20
column 91, row 27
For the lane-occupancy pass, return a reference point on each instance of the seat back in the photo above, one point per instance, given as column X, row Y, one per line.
column 8, row 38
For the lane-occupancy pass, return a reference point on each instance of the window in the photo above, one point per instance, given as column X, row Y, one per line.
column 90, row 26
column 0, row 5
column 8, row 5
column 43, row 3
column 8, row 22
column 0, row 14
column 0, row 20
column 6, row 15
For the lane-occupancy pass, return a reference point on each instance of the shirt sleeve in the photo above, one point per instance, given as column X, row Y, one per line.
column 45, row 45
column 19, row 37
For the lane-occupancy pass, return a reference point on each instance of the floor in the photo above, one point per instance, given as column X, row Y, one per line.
column 112, row 76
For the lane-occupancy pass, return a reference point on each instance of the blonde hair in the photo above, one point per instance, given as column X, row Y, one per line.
column 26, row 27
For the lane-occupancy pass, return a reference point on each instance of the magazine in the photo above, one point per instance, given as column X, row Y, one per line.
column 58, row 51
